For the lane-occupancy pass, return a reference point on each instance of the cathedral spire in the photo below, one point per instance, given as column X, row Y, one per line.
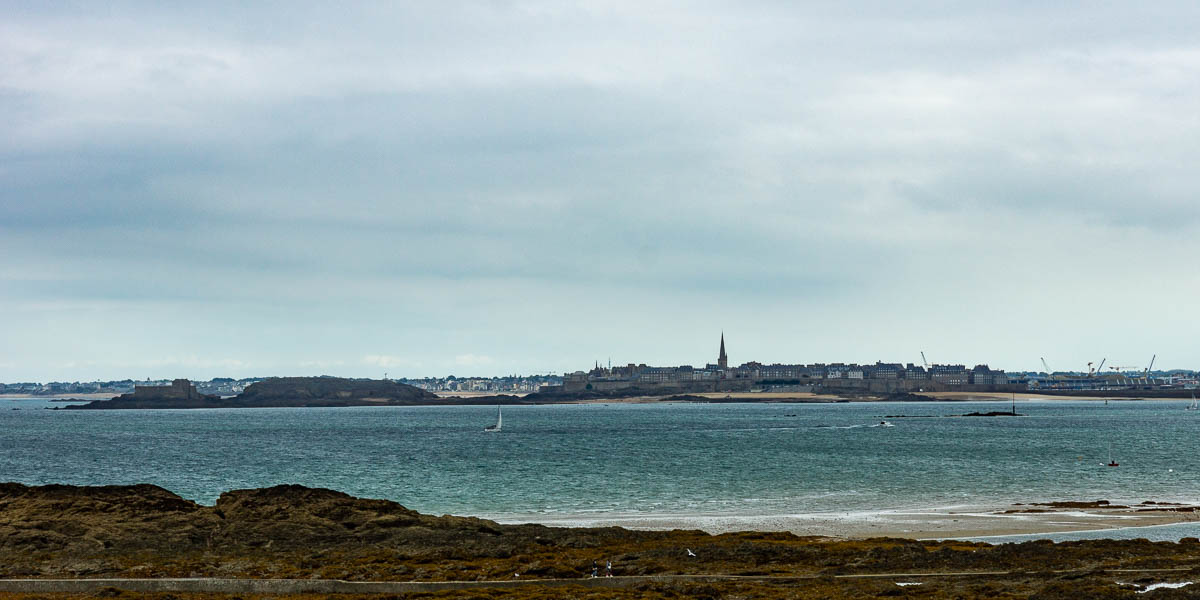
column 722, row 359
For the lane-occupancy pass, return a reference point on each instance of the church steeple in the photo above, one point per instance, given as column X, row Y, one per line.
column 722, row 360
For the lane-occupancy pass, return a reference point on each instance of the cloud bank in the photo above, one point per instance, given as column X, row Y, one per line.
column 285, row 188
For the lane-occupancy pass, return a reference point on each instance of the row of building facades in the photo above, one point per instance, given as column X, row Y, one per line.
column 498, row 385
column 219, row 386
column 781, row 374
column 720, row 376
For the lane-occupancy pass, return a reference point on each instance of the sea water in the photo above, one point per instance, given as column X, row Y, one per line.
column 628, row 459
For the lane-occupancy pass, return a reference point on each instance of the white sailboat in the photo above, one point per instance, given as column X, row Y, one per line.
column 1193, row 405
column 499, row 421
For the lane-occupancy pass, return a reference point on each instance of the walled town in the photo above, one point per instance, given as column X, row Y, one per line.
column 719, row 376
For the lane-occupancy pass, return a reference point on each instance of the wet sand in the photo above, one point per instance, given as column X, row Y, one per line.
column 736, row 396
column 833, row 397
column 445, row 394
column 1005, row 396
column 947, row 522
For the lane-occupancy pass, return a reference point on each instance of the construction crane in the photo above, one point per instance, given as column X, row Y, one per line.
column 1090, row 369
column 1100, row 369
column 923, row 361
column 1146, row 373
column 1046, row 366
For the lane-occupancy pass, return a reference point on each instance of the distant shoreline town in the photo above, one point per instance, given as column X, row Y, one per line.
column 878, row 378
column 225, row 386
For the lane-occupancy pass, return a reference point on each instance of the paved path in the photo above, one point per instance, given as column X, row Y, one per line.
column 337, row 586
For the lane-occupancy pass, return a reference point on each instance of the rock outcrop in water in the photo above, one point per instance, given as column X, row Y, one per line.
column 332, row 391
column 279, row 392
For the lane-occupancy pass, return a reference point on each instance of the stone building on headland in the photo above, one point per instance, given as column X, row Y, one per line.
column 180, row 389
column 720, row 377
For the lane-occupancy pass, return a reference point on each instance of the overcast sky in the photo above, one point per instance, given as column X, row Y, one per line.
column 483, row 188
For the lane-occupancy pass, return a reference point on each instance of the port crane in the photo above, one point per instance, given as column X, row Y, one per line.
column 1049, row 375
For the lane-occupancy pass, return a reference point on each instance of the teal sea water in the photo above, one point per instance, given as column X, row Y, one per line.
column 631, row 460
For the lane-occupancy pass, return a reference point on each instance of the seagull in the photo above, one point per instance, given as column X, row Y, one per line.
column 689, row 551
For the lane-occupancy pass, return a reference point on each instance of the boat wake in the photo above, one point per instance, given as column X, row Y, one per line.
column 879, row 424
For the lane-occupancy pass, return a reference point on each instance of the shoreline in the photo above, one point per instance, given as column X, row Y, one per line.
column 951, row 522
column 833, row 398
column 945, row 522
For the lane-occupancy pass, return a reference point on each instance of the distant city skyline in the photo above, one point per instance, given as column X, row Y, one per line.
column 424, row 189
column 1098, row 366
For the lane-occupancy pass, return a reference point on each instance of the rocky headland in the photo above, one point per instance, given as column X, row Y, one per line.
column 332, row 391
column 279, row 392
column 294, row 532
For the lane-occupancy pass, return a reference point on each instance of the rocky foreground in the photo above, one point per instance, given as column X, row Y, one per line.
column 145, row 531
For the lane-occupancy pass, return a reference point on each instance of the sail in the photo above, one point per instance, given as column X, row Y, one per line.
column 499, row 421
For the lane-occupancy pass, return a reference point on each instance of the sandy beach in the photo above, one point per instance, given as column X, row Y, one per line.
column 945, row 522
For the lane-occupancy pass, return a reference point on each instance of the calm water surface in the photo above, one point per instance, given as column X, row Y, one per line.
column 719, row 459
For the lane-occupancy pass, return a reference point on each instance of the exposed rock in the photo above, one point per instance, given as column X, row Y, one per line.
column 689, row 398
column 331, row 391
column 86, row 519
column 1081, row 504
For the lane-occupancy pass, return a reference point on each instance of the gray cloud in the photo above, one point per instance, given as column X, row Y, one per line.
column 539, row 184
